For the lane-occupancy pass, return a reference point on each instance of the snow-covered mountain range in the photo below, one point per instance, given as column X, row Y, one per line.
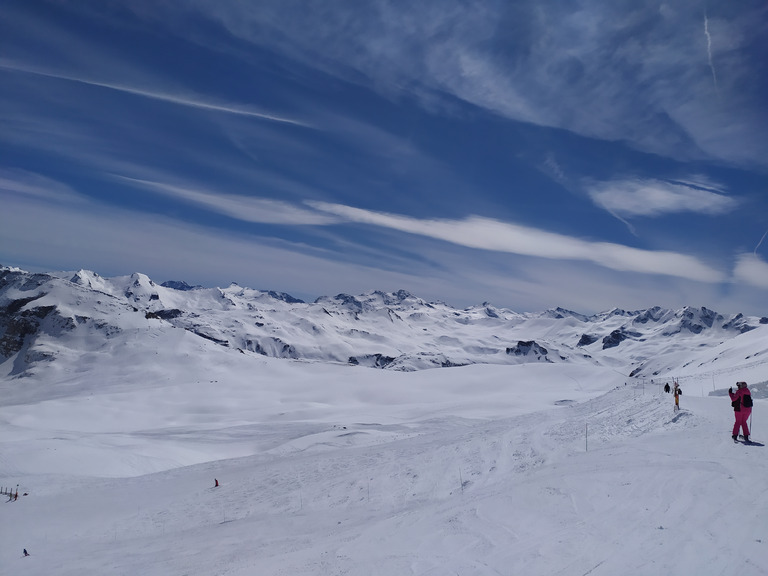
column 58, row 316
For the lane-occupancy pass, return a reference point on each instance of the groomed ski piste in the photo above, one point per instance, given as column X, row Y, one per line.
column 536, row 469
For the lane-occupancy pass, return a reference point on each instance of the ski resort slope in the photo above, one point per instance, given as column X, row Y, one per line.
column 325, row 469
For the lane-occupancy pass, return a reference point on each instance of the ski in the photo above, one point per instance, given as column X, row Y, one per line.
column 749, row 442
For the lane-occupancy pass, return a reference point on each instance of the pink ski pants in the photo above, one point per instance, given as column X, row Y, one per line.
column 741, row 421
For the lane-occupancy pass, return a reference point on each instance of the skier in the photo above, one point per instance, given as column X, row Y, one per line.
column 666, row 387
column 25, row 552
column 741, row 400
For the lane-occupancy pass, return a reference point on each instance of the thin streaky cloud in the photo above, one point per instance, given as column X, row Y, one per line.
column 123, row 240
column 36, row 187
column 651, row 197
column 244, row 208
column 709, row 49
column 760, row 243
column 489, row 234
column 700, row 181
column 181, row 100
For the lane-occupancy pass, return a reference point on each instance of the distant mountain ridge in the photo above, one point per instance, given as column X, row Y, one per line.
column 58, row 316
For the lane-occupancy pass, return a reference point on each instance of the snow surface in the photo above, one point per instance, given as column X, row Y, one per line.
column 328, row 469
column 325, row 469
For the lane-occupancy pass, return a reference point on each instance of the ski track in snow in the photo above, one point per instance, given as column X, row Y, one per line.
column 652, row 492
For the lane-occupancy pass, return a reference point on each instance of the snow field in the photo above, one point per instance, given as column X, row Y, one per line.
column 532, row 473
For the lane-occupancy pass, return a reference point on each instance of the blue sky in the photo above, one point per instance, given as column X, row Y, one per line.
column 532, row 154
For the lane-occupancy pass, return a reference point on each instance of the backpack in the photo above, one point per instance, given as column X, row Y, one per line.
column 746, row 400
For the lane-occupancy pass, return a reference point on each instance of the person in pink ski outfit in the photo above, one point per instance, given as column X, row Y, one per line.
column 741, row 400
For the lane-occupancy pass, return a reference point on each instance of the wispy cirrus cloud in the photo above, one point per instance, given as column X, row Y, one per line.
column 652, row 197
column 177, row 97
column 89, row 234
column 638, row 74
column 114, row 242
column 489, row 234
column 245, row 208
column 37, row 188
column 709, row 49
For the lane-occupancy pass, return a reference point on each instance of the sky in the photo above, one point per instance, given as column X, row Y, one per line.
column 531, row 154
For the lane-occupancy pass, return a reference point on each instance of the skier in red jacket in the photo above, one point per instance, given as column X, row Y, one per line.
column 741, row 400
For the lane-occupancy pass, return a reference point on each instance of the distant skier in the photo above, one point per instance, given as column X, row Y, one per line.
column 741, row 400
column 666, row 387
column 215, row 483
column 25, row 552
column 678, row 392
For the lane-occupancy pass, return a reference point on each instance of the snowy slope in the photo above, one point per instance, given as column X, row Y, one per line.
column 558, row 484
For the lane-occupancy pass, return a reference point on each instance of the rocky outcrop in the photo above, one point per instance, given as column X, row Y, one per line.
column 587, row 339
column 179, row 285
column 371, row 360
column 271, row 347
column 529, row 349
column 165, row 314
column 739, row 323
column 617, row 337
column 18, row 327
